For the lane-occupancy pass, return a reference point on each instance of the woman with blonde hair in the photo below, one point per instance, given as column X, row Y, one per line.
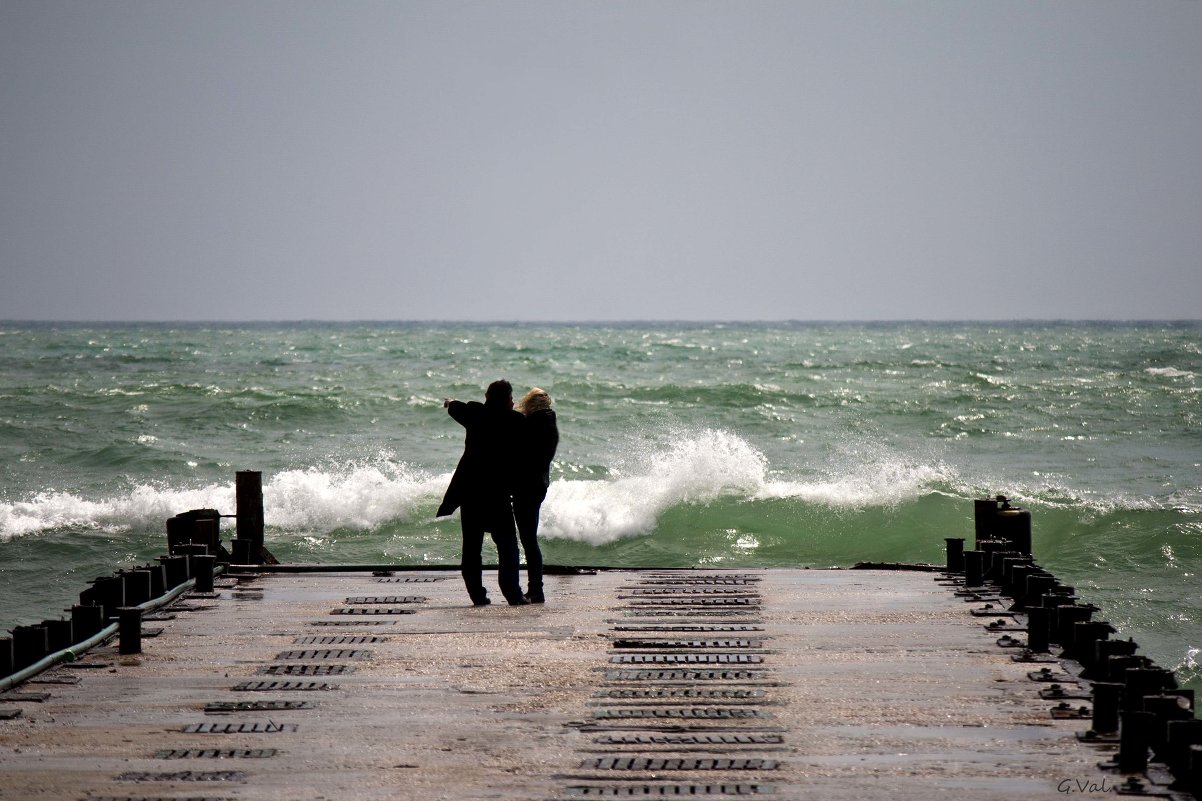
column 540, row 438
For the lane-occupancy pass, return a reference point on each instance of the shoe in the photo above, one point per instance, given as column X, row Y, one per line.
column 481, row 602
column 518, row 602
column 535, row 597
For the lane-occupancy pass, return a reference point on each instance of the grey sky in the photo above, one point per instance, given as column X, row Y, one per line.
column 577, row 160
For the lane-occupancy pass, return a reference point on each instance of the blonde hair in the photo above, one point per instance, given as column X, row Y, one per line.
column 536, row 400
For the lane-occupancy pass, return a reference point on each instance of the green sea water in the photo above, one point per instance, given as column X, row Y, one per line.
column 735, row 444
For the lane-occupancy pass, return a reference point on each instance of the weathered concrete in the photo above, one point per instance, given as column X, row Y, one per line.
column 839, row 685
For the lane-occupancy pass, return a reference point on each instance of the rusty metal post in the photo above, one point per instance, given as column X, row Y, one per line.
column 1106, row 698
column 158, row 579
column 1039, row 623
column 203, row 572
column 984, row 519
column 248, row 492
column 175, row 570
column 30, row 644
column 974, row 568
column 1134, row 735
column 1014, row 526
column 137, row 586
column 243, row 552
column 86, row 620
column 955, row 554
column 58, row 635
column 129, row 630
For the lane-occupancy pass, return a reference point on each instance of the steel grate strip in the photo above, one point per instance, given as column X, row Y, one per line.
column 372, row 610
column 263, row 727
column 305, row 670
column 275, row 686
column 339, row 640
column 683, row 628
column 681, row 692
column 703, row 713
column 351, row 622
column 652, row 643
column 183, row 776
column 689, row 739
column 385, row 599
column 222, row 707
column 216, row 753
column 649, row 790
column 656, row 763
column 688, row 659
column 684, row 675
column 327, row 653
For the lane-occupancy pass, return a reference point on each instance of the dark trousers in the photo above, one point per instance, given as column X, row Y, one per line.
column 525, row 512
column 496, row 519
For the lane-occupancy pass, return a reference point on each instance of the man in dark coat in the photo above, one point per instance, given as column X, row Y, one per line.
column 482, row 488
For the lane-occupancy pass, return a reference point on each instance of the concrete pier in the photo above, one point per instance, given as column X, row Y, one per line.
column 788, row 684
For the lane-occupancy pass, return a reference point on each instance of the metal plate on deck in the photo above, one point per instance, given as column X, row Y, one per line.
column 649, row 643
column 279, row 686
column 736, row 601
column 681, row 692
column 217, row 753
column 684, row 675
column 689, row 739
column 157, row 798
column 339, row 640
column 686, row 590
column 685, row 763
column 54, row 679
column 183, row 776
column 353, row 622
column 698, row 612
column 676, row 713
column 659, row 790
column 668, row 628
column 372, row 610
column 263, row 727
column 386, row 599
column 323, row 653
column 305, row 670
column 224, row 707
column 411, row 580
column 699, row 582
column 687, row 659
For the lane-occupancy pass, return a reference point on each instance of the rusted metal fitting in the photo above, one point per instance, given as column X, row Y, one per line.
column 955, row 554
column 1039, row 621
column 129, row 630
column 86, row 620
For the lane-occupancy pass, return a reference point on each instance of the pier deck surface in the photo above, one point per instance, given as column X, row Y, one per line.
column 792, row 684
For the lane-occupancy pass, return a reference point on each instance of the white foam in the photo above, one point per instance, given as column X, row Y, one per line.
column 693, row 469
column 353, row 495
column 144, row 506
column 1168, row 372
column 700, row 468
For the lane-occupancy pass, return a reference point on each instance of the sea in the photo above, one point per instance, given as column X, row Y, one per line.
column 728, row 445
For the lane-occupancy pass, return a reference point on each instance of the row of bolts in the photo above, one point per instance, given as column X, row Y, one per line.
column 1135, row 703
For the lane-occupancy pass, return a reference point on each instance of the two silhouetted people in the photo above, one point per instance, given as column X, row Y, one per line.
column 504, row 468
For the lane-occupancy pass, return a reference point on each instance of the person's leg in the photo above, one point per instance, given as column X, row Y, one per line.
column 505, row 536
column 525, row 513
column 470, row 561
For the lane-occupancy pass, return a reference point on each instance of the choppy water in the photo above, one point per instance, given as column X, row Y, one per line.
column 734, row 444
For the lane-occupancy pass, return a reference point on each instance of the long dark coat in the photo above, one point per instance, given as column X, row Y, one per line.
column 539, row 441
column 485, row 472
